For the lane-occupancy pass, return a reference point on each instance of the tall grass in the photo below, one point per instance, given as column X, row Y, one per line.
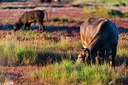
column 33, row 52
column 96, row 12
column 42, row 52
column 62, row 55
column 68, row 73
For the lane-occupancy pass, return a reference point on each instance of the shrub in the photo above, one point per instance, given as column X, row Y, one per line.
column 25, row 54
column 126, row 14
column 115, row 13
column 65, row 20
column 56, row 19
column 96, row 7
column 9, row 0
column 122, row 4
column 98, row 12
column 116, row 5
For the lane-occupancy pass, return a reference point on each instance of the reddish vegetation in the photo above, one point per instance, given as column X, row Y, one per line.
column 18, row 74
column 123, row 24
column 21, row 73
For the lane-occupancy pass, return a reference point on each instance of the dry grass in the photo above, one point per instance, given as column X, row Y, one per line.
column 123, row 44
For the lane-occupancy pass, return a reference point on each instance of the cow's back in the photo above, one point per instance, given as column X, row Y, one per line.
column 89, row 29
column 32, row 16
column 113, row 32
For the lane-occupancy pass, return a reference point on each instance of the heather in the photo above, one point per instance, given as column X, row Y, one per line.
column 31, row 57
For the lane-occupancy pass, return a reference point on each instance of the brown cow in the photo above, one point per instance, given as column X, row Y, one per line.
column 98, row 36
column 30, row 17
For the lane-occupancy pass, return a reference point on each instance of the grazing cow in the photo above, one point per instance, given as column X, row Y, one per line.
column 30, row 17
column 98, row 36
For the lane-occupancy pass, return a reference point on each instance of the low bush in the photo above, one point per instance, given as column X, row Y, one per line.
column 126, row 14
column 56, row 19
column 116, row 5
column 115, row 13
column 104, row 13
column 65, row 20
column 122, row 4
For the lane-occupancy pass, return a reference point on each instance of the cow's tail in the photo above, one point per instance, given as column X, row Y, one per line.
column 46, row 14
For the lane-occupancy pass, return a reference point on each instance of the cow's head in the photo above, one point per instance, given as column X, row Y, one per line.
column 16, row 26
column 84, row 56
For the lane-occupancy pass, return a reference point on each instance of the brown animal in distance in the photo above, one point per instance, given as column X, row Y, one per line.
column 36, row 16
column 98, row 36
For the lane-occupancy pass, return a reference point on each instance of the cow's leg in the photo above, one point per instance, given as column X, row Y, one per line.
column 98, row 42
column 24, row 25
column 39, row 21
column 108, row 53
column 42, row 20
column 43, row 27
column 28, row 26
column 101, row 56
column 40, row 26
column 25, row 21
column 113, row 55
column 93, row 56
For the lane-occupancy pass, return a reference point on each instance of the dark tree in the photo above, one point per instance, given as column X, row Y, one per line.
column 42, row 1
column 49, row 1
column 59, row 1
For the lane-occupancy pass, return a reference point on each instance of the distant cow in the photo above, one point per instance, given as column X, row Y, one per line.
column 30, row 17
column 98, row 36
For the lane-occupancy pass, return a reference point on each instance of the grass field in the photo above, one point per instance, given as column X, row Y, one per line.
column 49, row 57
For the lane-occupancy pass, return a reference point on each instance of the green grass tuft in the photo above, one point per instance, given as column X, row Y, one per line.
column 69, row 73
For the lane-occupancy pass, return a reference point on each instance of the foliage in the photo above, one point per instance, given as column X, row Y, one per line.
column 115, row 13
column 116, row 5
column 122, row 4
column 100, row 1
column 65, row 19
column 30, row 57
column 56, row 19
column 119, row 4
column 105, row 12
column 126, row 14
column 9, row 0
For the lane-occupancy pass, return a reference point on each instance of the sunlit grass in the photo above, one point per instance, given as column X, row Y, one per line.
column 58, row 59
column 29, row 52
column 101, row 1
column 16, row 52
column 69, row 73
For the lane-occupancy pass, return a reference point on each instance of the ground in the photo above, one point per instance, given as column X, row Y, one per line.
column 31, row 57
